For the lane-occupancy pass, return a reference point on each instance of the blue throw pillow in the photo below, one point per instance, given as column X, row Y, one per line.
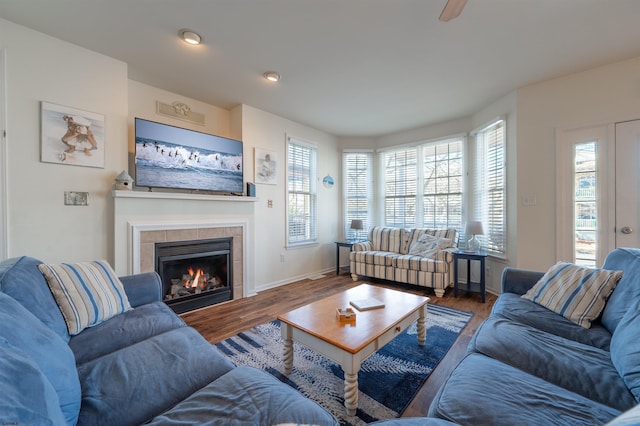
column 26, row 396
column 625, row 349
column 51, row 354
column 86, row 292
column 576, row 292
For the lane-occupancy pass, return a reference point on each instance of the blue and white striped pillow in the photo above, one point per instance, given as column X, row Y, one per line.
column 87, row 293
column 576, row 292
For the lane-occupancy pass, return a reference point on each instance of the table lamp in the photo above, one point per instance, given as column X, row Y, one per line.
column 357, row 225
column 472, row 229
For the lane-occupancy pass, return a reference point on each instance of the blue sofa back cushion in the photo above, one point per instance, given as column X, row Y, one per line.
column 628, row 288
column 625, row 349
column 26, row 396
column 52, row 355
column 21, row 279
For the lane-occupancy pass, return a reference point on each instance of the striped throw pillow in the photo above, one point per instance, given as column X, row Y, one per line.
column 576, row 292
column 87, row 293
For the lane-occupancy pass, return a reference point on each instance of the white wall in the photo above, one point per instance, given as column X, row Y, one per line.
column 41, row 68
column 263, row 130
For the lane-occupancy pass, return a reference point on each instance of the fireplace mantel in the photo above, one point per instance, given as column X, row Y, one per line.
column 181, row 196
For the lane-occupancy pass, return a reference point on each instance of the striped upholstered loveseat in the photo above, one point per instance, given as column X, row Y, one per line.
column 386, row 255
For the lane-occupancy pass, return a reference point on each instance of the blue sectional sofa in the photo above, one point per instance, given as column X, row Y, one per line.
column 529, row 365
column 140, row 366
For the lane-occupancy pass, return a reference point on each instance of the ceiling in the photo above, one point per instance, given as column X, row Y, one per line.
column 349, row 67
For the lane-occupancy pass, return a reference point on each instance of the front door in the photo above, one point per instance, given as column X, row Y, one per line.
column 598, row 194
column 627, row 184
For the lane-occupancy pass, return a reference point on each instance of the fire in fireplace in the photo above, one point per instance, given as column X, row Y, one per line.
column 195, row 273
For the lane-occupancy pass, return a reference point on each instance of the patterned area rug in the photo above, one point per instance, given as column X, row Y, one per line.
column 387, row 380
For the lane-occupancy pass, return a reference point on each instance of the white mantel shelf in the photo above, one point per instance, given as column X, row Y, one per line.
column 181, row 196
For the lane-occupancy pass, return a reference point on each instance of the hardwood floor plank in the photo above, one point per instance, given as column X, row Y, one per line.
column 227, row 319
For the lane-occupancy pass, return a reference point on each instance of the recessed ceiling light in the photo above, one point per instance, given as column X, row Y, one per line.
column 272, row 76
column 190, row 37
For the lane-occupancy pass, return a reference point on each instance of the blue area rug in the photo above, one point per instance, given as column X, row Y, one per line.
column 388, row 380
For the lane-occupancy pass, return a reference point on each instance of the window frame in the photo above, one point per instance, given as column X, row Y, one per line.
column 360, row 194
column 421, row 180
column 495, row 238
column 309, row 189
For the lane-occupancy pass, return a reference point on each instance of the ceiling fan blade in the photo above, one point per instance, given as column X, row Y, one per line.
column 452, row 10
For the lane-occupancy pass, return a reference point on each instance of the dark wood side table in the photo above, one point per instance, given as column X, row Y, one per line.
column 479, row 256
column 340, row 244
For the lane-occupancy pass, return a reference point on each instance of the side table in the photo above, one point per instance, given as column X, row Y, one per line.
column 340, row 244
column 479, row 256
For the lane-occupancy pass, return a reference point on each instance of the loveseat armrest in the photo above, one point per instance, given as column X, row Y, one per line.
column 362, row 246
column 446, row 255
column 519, row 281
column 142, row 288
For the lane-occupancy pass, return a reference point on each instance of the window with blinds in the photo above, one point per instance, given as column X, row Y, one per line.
column 358, row 191
column 302, row 221
column 490, row 186
column 443, row 175
column 423, row 185
column 400, row 187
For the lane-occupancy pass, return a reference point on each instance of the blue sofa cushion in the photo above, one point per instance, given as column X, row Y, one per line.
column 87, row 293
column 557, row 360
column 26, row 396
column 628, row 289
column 124, row 330
column 625, row 349
column 52, row 355
column 21, row 279
column 246, row 396
column 576, row 292
column 132, row 385
column 512, row 306
column 484, row 391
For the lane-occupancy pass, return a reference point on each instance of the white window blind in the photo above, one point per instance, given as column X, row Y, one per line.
column 302, row 221
column 400, row 187
column 489, row 186
column 443, row 175
column 358, row 190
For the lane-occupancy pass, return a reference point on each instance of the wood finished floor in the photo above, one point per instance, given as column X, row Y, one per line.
column 227, row 319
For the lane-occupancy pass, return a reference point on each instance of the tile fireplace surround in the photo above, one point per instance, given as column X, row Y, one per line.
column 148, row 239
column 142, row 219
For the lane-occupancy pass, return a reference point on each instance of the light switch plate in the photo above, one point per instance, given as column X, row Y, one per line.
column 75, row 198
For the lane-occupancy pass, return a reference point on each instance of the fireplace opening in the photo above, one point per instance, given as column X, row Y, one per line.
column 195, row 273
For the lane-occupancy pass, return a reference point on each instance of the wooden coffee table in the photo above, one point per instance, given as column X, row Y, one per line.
column 350, row 343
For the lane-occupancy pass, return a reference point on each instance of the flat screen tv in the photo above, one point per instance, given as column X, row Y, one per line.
column 172, row 157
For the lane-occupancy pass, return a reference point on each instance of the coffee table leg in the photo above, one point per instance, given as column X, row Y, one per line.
column 288, row 348
column 422, row 326
column 351, row 393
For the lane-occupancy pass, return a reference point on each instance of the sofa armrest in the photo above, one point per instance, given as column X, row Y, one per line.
column 519, row 281
column 446, row 255
column 142, row 288
column 362, row 246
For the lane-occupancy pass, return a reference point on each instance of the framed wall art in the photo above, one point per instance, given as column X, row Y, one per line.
column 71, row 136
column 266, row 167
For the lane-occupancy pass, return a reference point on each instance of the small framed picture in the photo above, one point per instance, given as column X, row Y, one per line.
column 71, row 136
column 266, row 167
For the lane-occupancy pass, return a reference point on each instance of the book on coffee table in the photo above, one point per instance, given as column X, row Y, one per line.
column 366, row 304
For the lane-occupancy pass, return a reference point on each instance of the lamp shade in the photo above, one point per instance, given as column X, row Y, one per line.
column 474, row 228
column 357, row 224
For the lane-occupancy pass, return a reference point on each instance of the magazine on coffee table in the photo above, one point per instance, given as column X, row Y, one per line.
column 366, row 304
